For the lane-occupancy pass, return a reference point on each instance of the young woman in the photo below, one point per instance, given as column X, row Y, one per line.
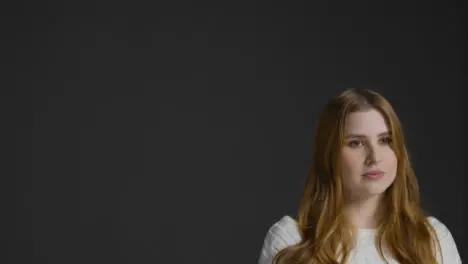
column 361, row 201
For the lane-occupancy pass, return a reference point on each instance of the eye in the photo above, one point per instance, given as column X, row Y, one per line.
column 355, row 143
column 386, row 140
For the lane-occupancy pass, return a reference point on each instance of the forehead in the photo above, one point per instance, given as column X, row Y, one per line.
column 369, row 122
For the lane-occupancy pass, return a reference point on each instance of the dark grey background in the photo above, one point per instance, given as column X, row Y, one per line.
column 178, row 132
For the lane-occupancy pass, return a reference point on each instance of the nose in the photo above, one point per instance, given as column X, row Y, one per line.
column 373, row 154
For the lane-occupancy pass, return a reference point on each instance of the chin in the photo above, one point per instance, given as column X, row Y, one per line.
column 377, row 190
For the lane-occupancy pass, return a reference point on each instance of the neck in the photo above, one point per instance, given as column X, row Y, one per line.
column 363, row 212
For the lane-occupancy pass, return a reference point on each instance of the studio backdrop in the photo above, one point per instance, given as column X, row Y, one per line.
column 171, row 132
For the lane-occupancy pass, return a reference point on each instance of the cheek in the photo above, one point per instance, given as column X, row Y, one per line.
column 392, row 160
column 350, row 160
column 391, row 165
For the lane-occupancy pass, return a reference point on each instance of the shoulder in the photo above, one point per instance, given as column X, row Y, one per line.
column 447, row 243
column 281, row 234
column 285, row 232
column 442, row 231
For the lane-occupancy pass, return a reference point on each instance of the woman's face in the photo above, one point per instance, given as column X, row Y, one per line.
column 369, row 163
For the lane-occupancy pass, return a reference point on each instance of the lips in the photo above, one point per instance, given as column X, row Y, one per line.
column 375, row 174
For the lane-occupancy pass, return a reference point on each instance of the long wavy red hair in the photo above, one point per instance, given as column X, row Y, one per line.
column 403, row 228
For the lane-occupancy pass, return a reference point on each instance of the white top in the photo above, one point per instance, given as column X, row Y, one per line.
column 285, row 233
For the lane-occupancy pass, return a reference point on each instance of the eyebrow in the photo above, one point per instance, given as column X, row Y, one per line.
column 351, row 135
